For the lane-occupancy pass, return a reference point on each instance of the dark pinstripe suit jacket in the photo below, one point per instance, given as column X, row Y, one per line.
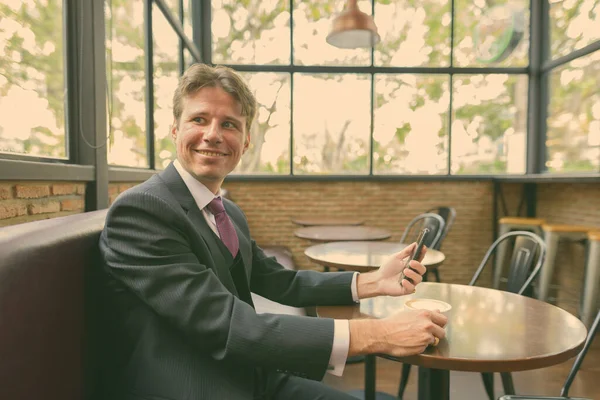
column 176, row 327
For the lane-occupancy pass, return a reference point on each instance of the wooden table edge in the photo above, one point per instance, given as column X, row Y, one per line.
column 341, row 223
column 339, row 266
column 326, row 240
column 515, row 365
column 358, row 268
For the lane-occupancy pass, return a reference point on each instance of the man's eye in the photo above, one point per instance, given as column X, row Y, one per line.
column 228, row 124
column 198, row 119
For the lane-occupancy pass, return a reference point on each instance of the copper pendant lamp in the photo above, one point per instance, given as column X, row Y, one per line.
column 353, row 29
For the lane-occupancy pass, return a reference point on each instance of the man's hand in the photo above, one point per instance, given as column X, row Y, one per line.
column 402, row 334
column 386, row 280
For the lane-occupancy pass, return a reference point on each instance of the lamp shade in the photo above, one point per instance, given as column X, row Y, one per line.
column 353, row 29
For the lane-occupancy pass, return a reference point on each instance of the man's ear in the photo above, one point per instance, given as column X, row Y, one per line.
column 174, row 130
column 246, row 143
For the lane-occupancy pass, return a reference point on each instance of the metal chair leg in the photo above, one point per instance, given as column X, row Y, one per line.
column 507, row 383
column 403, row 380
column 488, row 383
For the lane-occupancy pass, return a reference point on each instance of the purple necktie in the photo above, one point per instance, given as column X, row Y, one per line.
column 224, row 226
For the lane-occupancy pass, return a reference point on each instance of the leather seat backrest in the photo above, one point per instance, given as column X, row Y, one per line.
column 45, row 300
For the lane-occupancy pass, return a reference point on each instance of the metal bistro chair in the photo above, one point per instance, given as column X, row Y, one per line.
column 564, row 394
column 449, row 215
column 434, row 222
column 436, row 225
column 522, row 271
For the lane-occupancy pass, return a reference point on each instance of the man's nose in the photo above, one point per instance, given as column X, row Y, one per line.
column 213, row 133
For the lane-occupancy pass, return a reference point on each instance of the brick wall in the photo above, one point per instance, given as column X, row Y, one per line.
column 29, row 201
column 116, row 188
column 270, row 206
column 569, row 203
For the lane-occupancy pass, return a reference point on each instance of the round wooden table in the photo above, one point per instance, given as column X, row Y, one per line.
column 363, row 256
column 488, row 331
column 342, row 232
column 327, row 221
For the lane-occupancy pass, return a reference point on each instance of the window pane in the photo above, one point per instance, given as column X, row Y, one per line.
column 488, row 133
column 331, row 123
column 32, row 79
column 312, row 23
column 188, row 59
column 126, row 84
column 173, row 5
column 495, row 35
column 166, row 74
column 413, row 33
column 411, row 124
column 573, row 133
column 269, row 150
column 573, row 24
column 188, row 25
column 251, row 32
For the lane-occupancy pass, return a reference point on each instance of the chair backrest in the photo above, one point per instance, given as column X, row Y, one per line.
column 434, row 222
column 48, row 331
column 581, row 356
column 448, row 214
column 526, row 261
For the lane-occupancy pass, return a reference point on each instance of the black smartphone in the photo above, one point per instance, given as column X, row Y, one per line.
column 415, row 255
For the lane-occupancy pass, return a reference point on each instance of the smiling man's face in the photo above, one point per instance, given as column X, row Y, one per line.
column 210, row 135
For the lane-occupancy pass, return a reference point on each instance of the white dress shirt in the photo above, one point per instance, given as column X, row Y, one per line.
column 341, row 329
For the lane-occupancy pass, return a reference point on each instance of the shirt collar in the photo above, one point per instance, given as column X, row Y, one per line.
column 201, row 194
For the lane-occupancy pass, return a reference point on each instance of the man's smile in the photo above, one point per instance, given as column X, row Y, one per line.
column 210, row 153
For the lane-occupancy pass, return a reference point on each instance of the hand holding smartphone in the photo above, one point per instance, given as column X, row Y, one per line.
column 415, row 255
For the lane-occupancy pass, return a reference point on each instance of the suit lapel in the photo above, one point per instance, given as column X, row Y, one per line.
column 216, row 259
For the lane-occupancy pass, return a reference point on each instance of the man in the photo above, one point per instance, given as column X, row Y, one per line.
column 180, row 270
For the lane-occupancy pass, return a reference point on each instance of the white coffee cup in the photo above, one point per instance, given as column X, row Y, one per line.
column 428, row 304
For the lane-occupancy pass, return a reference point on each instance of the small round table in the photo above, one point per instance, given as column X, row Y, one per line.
column 363, row 256
column 342, row 232
column 327, row 221
column 488, row 331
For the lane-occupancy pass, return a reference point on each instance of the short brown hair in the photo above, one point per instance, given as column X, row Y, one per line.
column 198, row 76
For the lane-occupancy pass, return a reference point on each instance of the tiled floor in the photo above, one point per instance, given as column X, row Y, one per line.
column 468, row 385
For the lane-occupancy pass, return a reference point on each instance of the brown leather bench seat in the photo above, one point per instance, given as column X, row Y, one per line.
column 48, row 300
column 45, row 298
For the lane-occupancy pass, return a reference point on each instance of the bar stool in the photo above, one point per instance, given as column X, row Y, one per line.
column 505, row 225
column 591, row 280
column 552, row 234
